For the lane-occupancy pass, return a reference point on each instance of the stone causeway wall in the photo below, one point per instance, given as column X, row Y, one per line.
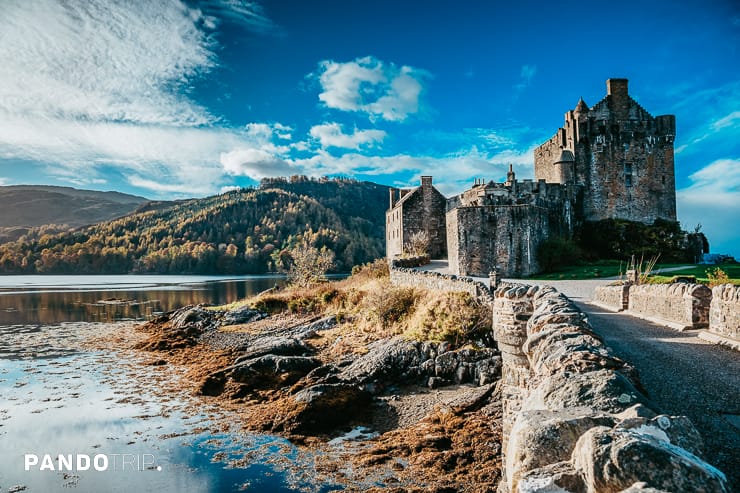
column 574, row 416
column 681, row 305
column 724, row 316
column 613, row 297
column 575, row 419
column 441, row 282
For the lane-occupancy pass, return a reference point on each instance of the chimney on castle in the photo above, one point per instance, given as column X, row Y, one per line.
column 510, row 176
column 426, row 182
column 616, row 89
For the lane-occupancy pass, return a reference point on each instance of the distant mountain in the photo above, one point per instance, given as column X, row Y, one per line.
column 245, row 231
column 24, row 207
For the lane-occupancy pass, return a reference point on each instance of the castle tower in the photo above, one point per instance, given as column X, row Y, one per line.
column 622, row 157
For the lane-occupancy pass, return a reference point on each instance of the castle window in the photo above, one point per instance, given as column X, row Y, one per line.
column 628, row 174
column 663, row 179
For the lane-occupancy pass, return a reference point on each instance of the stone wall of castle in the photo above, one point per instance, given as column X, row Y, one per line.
column 505, row 238
column 622, row 155
column 500, row 226
column 418, row 210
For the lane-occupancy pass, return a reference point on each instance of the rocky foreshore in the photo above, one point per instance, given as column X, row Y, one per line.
column 431, row 407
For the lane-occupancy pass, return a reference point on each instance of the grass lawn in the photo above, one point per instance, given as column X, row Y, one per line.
column 613, row 268
column 602, row 268
column 700, row 272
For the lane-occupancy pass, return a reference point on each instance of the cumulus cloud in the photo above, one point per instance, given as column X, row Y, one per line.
column 332, row 135
column 371, row 86
column 713, row 200
column 255, row 163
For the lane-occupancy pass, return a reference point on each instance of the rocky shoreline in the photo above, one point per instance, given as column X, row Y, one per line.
column 432, row 409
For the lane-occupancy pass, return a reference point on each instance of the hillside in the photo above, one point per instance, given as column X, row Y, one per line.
column 240, row 232
column 24, row 207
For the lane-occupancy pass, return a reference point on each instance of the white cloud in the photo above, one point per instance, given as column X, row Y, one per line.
column 228, row 188
column 713, row 199
column 255, row 163
column 526, row 74
column 332, row 135
column 3, row 181
column 371, row 86
column 96, row 84
column 249, row 14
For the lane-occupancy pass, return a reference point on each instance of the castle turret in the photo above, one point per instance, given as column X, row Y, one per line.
column 565, row 163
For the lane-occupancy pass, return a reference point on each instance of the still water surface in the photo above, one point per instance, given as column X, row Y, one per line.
column 56, row 397
column 54, row 299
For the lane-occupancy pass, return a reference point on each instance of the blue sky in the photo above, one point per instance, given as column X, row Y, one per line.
column 180, row 99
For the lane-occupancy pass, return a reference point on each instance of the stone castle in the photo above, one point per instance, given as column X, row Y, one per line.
column 613, row 160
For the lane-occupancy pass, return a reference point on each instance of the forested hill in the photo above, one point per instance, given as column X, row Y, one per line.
column 240, row 232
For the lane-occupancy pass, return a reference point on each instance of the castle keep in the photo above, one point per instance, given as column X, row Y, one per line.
column 620, row 154
column 611, row 161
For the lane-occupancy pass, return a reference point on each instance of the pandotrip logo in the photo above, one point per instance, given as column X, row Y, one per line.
column 88, row 462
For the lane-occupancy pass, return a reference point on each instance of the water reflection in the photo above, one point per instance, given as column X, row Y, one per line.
column 55, row 299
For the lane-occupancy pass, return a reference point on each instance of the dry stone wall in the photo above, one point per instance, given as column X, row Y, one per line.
column 679, row 305
column 613, row 297
column 575, row 419
column 724, row 316
column 441, row 282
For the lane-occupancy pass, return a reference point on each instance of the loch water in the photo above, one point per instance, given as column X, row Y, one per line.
column 59, row 398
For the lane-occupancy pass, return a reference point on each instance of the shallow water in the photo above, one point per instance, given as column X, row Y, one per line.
column 54, row 299
column 56, row 397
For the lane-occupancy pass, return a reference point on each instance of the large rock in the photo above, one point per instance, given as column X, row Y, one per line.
column 192, row 317
column 281, row 346
column 613, row 460
column 553, row 478
column 386, row 360
column 323, row 408
column 243, row 315
column 272, row 370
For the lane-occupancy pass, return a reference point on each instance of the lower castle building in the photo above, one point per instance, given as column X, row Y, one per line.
column 613, row 160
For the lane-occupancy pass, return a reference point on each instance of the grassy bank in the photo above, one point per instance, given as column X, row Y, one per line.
column 615, row 268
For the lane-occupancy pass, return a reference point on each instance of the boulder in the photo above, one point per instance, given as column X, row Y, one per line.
column 192, row 317
column 612, row 460
column 324, row 408
column 243, row 315
column 272, row 370
column 386, row 360
column 281, row 346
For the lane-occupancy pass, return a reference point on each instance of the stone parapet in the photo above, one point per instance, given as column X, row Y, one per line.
column 574, row 417
column 441, row 282
column 612, row 297
column 679, row 305
column 724, row 316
